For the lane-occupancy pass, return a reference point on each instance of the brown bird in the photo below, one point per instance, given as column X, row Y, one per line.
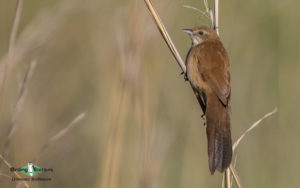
column 208, row 71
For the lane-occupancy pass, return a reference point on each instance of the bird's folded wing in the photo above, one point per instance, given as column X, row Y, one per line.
column 216, row 70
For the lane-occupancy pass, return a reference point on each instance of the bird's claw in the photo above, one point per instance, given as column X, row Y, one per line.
column 203, row 117
column 185, row 76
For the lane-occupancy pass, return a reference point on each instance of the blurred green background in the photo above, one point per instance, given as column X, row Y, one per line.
column 142, row 125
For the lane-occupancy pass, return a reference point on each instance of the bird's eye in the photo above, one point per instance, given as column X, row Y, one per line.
column 201, row 33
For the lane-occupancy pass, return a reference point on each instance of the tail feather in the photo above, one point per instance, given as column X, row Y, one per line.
column 218, row 134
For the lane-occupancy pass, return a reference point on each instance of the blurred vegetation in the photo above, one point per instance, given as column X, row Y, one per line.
column 143, row 126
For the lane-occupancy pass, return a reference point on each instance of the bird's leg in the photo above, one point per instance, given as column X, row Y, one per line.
column 203, row 107
column 201, row 100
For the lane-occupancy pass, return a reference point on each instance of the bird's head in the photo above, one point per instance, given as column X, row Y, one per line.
column 201, row 34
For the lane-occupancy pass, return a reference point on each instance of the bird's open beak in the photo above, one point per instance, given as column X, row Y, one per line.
column 188, row 31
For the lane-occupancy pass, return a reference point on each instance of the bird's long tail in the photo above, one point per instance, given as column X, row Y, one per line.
column 218, row 134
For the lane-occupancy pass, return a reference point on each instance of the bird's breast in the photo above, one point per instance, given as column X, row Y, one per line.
column 195, row 74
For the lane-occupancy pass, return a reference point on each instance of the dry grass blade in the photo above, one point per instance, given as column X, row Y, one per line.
column 18, row 106
column 237, row 180
column 23, row 90
column 15, row 172
column 15, row 26
column 10, row 48
column 4, row 175
column 196, row 9
column 62, row 132
column 236, row 177
column 236, row 143
column 165, row 35
column 235, row 159
column 206, row 5
column 210, row 14
column 38, row 32
column 211, row 19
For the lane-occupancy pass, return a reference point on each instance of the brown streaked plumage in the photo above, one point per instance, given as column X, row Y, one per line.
column 208, row 71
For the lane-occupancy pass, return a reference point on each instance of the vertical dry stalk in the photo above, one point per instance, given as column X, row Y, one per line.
column 227, row 178
column 129, row 92
column 120, row 100
column 216, row 16
column 226, row 175
column 10, row 49
column 140, row 35
column 115, row 137
column 206, row 5
column 210, row 13
column 15, row 27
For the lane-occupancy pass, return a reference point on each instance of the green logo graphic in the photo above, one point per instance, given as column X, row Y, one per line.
column 31, row 169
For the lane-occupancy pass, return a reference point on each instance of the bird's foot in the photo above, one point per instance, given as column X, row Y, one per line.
column 203, row 117
column 185, row 76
